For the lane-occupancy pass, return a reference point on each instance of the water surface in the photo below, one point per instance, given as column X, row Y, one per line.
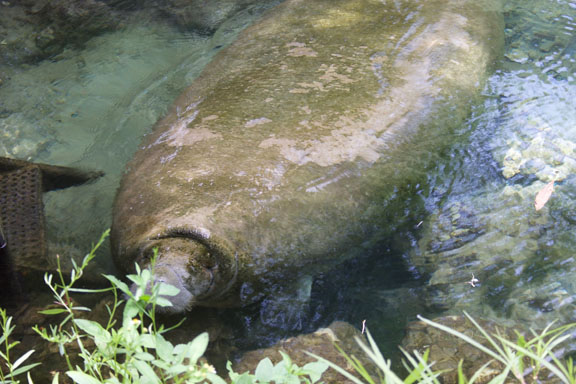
column 473, row 216
column 90, row 108
column 483, row 221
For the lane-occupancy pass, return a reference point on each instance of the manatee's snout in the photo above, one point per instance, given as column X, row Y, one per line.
column 186, row 264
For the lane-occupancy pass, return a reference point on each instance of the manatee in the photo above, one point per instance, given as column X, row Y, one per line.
column 282, row 159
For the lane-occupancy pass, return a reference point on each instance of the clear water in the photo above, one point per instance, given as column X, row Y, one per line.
column 475, row 215
column 90, row 109
column 483, row 222
column 475, row 218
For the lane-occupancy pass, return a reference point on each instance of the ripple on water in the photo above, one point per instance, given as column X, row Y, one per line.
column 522, row 258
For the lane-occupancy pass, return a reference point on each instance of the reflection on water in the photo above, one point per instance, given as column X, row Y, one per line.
column 483, row 219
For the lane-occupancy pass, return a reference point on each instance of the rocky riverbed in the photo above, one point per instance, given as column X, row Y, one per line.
column 484, row 225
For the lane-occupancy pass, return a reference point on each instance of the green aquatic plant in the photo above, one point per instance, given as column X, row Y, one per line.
column 11, row 370
column 417, row 365
column 136, row 351
column 283, row 372
column 131, row 346
column 526, row 360
column 532, row 360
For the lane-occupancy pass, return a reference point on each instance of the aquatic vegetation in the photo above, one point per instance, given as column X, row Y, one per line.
column 136, row 350
column 532, row 359
column 13, row 369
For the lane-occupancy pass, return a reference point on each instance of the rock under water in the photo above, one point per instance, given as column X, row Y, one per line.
column 521, row 257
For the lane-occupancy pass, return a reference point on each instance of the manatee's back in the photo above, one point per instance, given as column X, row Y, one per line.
column 291, row 143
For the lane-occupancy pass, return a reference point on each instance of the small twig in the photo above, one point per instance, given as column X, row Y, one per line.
column 473, row 281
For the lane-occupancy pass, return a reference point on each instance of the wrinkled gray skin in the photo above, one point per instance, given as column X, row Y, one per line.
column 281, row 159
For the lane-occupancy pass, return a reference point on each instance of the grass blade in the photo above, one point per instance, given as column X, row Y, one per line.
column 467, row 339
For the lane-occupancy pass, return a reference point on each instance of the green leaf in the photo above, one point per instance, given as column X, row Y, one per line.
column 265, row 370
column 163, row 302
column 22, row 359
column 291, row 379
column 144, row 356
column 85, row 309
column 82, row 378
column 315, row 370
column 119, row 284
column 215, row 379
column 148, row 374
column 146, row 275
column 461, row 375
column 501, row 378
column 286, row 359
column 162, row 365
column 557, row 372
column 23, row 369
column 166, row 289
column 13, row 344
column 178, row 369
column 281, row 369
column 131, row 310
column 54, row 311
column 197, row 347
column 145, row 298
column 93, row 329
column 147, row 341
column 245, row 378
column 500, row 356
column 164, row 348
column 112, row 380
column 419, row 365
column 479, row 372
column 88, row 290
column 337, row 368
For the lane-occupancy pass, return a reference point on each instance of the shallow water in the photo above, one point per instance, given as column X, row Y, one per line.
column 475, row 218
column 90, row 108
column 483, row 222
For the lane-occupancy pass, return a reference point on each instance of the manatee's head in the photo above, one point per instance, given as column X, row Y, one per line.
column 201, row 268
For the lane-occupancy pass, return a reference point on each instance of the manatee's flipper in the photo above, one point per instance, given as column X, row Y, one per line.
column 288, row 310
column 53, row 176
column 22, row 215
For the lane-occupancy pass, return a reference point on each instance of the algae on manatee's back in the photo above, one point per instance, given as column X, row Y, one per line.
column 282, row 158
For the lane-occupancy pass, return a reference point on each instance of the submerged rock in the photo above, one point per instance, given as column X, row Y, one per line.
column 72, row 22
column 446, row 351
column 321, row 343
column 522, row 258
column 34, row 30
